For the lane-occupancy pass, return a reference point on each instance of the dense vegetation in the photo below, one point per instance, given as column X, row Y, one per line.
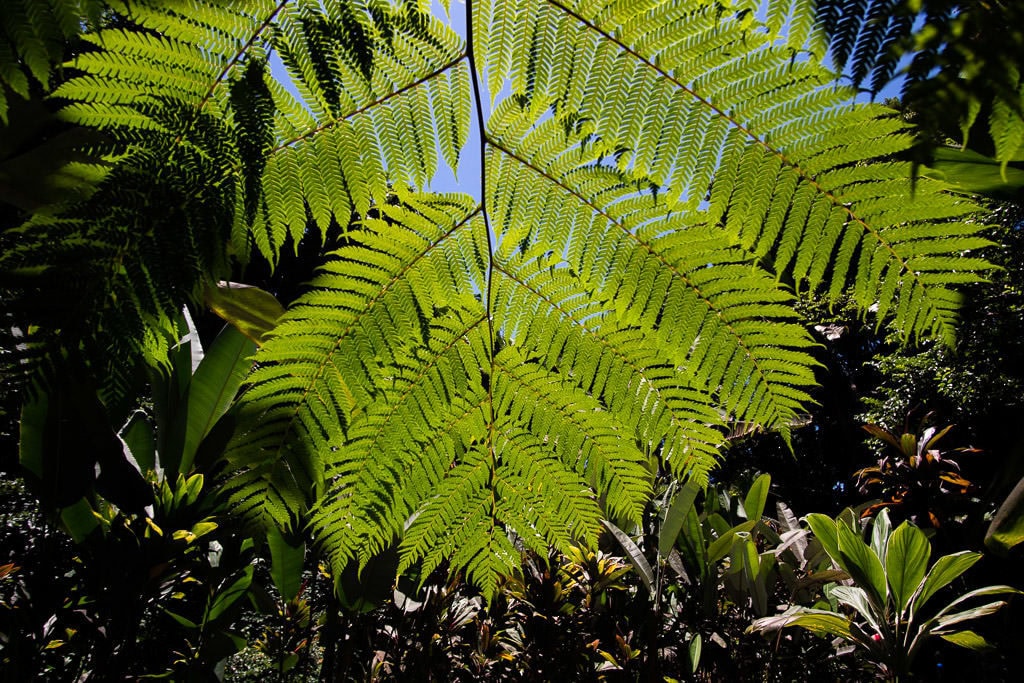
column 679, row 370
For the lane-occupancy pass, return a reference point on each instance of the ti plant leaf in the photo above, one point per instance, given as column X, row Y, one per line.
column 888, row 598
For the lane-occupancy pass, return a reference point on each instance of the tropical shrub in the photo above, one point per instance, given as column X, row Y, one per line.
column 155, row 558
column 892, row 584
column 720, row 561
column 914, row 479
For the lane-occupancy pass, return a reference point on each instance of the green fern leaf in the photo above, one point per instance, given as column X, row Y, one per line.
column 467, row 378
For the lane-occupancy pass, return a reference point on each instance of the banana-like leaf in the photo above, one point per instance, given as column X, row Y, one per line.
column 230, row 595
column 969, row 614
column 826, row 531
column 976, row 593
column 1007, row 527
column 139, row 437
column 942, row 573
column 724, row 543
column 857, row 598
column 754, row 502
column 967, row 639
column 863, row 565
column 976, row 173
column 79, row 519
column 682, row 503
column 213, row 388
column 906, row 562
column 634, row 554
column 694, row 653
column 694, row 546
column 818, row 622
column 251, row 310
column 285, row 563
column 880, row 532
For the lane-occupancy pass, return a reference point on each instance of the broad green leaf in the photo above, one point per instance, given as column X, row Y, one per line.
column 863, row 565
column 285, row 564
column 694, row 653
column 942, row 573
column 756, row 497
column 967, row 639
column 80, row 520
column 756, row 569
column 251, row 310
column 634, row 554
column 1007, row 527
column 139, row 437
column 694, row 546
column 189, row 489
column 227, row 597
column 213, row 388
column 976, row 593
column 948, row 620
column 819, row 622
column 825, row 530
column 682, row 503
column 857, row 598
column 724, row 543
column 184, row 621
column 975, row 173
column 716, row 521
column 907, row 562
column 881, row 529
column 200, row 529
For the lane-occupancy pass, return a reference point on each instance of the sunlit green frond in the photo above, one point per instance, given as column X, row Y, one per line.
column 404, row 444
column 718, row 115
column 709, row 311
column 33, row 37
column 468, row 377
column 387, row 90
column 322, row 367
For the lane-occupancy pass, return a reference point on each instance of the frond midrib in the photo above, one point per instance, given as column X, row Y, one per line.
column 366, row 107
column 545, row 398
column 242, row 51
column 414, row 383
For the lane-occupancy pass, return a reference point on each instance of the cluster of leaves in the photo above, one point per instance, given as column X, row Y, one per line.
column 893, row 583
column 914, row 478
column 963, row 61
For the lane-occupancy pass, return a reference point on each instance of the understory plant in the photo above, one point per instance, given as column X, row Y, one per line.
column 886, row 609
column 915, row 478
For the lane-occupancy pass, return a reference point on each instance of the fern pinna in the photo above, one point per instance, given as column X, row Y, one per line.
column 472, row 375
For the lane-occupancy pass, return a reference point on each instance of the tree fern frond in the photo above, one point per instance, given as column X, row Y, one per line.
column 653, row 266
column 312, row 377
column 466, row 378
column 723, row 104
column 382, row 119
